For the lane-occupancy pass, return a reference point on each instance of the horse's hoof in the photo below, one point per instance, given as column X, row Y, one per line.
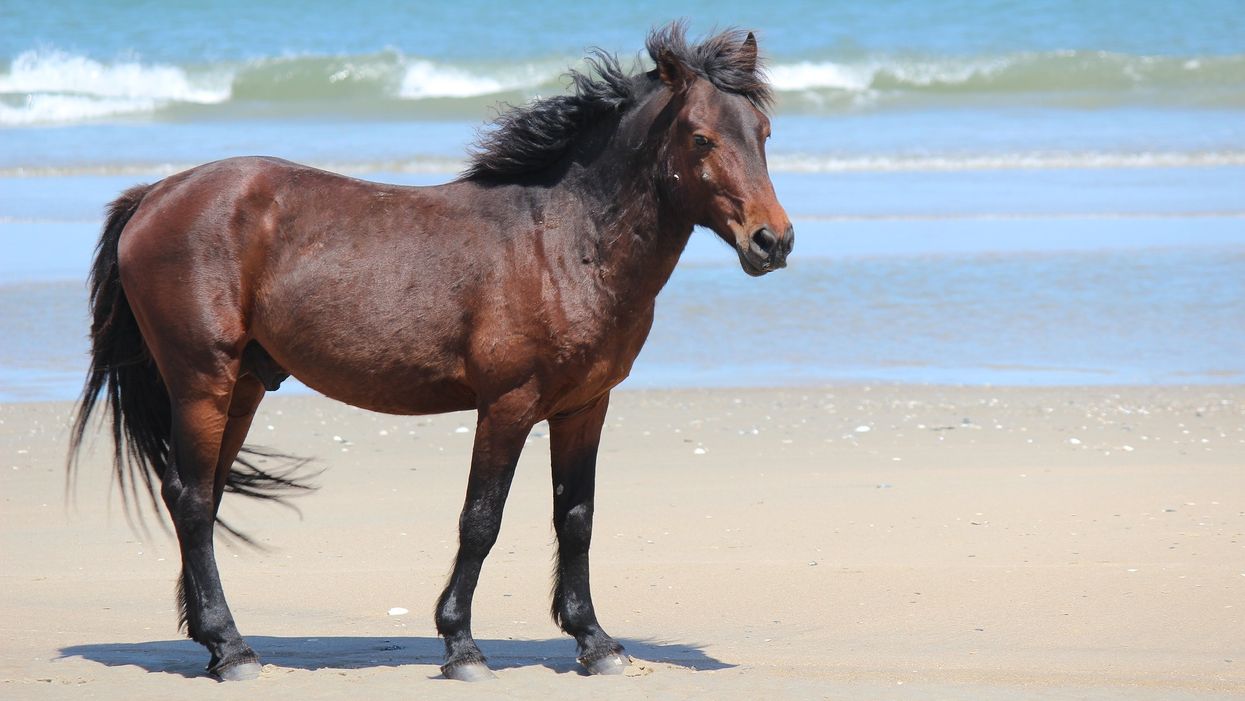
column 470, row 672
column 242, row 671
column 610, row 664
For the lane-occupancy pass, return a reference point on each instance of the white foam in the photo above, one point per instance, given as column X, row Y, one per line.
column 45, row 109
column 863, row 76
column 425, row 79
column 808, row 76
column 946, row 72
column 62, row 87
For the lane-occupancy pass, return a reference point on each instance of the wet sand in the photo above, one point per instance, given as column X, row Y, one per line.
column 902, row 542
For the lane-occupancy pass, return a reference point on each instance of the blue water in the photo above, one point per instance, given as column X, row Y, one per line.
column 194, row 31
column 985, row 191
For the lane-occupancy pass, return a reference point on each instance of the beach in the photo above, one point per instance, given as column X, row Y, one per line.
column 840, row 541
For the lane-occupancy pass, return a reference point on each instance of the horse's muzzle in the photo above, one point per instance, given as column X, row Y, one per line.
column 767, row 251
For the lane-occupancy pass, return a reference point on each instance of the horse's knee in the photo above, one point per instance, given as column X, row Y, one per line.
column 477, row 533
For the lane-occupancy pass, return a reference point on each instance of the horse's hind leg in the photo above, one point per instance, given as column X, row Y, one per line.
column 203, row 447
column 573, row 442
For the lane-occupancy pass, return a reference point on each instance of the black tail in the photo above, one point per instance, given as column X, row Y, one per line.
column 123, row 370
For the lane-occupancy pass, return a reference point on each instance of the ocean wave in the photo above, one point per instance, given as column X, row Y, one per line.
column 57, row 72
column 424, row 79
column 1022, row 72
column 879, row 74
column 384, row 76
column 55, row 86
column 52, row 109
column 52, row 86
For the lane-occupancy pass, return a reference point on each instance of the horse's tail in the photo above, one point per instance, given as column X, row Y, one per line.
column 121, row 368
column 141, row 414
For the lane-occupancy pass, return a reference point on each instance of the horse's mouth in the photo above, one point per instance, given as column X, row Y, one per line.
column 756, row 268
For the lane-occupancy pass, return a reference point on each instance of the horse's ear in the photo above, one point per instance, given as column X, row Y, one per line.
column 748, row 53
column 672, row 71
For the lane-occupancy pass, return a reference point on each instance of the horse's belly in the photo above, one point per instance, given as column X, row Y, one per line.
column 397, row 365
column 392, row 391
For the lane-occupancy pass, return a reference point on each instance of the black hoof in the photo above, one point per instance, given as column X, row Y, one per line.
column 238, row 671
column 468, row 672
column 610, row 664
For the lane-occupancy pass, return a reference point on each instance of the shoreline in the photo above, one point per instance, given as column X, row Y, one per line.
column 859, row 540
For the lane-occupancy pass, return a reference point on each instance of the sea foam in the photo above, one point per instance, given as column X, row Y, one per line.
column 425, row 79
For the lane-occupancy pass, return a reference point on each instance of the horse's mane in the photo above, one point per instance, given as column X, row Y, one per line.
column 529, row 138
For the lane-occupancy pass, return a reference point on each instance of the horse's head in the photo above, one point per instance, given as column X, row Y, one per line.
column 716, row 165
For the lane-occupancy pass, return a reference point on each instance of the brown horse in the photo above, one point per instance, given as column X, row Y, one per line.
column 523, row 290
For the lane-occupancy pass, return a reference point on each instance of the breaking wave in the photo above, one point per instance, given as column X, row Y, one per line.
column 54, row 86
column 43, row 87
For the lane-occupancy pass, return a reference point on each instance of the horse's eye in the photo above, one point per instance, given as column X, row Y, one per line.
column 700, row 140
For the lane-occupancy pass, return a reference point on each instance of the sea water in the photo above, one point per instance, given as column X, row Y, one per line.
column 984, row 191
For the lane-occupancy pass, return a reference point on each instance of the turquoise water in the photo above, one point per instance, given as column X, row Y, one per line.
column 952, row 167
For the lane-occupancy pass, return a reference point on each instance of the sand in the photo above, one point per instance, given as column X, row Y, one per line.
column 901, row 542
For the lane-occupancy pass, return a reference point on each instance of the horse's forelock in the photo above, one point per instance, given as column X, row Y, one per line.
column 727, row 59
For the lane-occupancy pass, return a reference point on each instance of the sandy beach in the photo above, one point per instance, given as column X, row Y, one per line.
column 905, row 542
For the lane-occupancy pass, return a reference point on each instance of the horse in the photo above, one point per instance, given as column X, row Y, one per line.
column 523, row 289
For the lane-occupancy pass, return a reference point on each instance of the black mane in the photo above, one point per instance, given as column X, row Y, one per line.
column 529, row 138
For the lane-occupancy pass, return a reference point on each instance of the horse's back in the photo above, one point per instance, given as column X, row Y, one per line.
column 252, row 221
column 218, row 206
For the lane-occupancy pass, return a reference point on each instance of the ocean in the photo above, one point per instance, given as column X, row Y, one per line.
column 985, row 192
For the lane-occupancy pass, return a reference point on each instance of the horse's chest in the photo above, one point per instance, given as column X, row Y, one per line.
column 600, row 349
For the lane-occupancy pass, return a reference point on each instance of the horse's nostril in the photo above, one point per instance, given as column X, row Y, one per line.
column 765, row 240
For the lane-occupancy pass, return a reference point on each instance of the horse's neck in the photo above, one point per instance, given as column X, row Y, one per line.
column 638, row 241
column 639, row 233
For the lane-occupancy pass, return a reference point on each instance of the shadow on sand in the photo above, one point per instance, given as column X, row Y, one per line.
column 187, row 658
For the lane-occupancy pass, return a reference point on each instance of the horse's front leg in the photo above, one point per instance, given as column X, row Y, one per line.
column 500, row 432
column 573, row 447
